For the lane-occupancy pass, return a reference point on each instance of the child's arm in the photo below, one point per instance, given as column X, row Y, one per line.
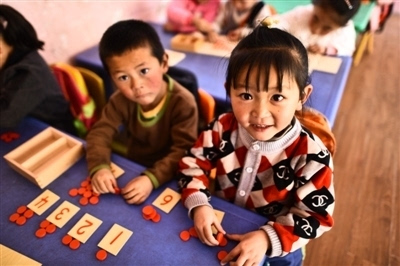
column 100, row 137
column 179, row 15
column 183, row 130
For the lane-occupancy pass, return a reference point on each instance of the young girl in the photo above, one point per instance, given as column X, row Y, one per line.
column 187, row 16
column 324, row 27
column 265, row 160
column 27, row 85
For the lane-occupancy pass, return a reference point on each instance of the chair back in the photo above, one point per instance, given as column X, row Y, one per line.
column 317, row 123
column 207, row 105
column 95, row 87
column 74, row 88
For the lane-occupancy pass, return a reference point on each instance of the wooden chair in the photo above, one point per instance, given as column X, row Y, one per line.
column 207, row 105
column 95, row 86
column 74, row 88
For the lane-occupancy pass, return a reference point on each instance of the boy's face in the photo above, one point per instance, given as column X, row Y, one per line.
column 265, row 113
column 323, row 21
column 139, row 76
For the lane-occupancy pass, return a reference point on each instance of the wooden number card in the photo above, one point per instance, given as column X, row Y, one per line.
column 43, row 202
column 85, row 227
column 60, row 216
column 167, row 200
column 220, row 216
column 115, row 239
column 116, row 170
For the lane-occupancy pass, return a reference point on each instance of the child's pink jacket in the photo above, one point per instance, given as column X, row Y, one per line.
column 180, row 13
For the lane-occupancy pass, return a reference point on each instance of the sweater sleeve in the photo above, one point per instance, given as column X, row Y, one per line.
column 100, row 137
column 183, row 134
column 344, row 40
column 314, row 200
column 196, row 166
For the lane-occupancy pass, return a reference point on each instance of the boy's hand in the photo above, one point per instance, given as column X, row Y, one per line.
column 137, row 190
column 212, row 36
column 103, row 181
column 250, row 250
column 203, row 218
column 234, row 35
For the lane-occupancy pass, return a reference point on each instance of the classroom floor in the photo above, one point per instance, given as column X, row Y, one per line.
column 367, row 163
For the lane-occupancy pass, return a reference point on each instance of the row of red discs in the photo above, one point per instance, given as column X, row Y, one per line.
column 186, row 234
column 86, row 193
column 21, row 215
column 74, row 244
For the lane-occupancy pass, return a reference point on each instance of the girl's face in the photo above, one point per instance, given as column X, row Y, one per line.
column 139, row 76
column 323, row 21
column 5, row 50
column 265, row 113
column 243, row 5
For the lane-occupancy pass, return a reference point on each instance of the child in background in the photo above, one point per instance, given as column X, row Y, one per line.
column 187, row 16
column 27, row 85
column 265, row 160
column 236, row 19
column 324, row 27
column 159, row 115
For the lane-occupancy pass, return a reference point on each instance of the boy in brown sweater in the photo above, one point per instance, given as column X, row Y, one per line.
column 160, row 115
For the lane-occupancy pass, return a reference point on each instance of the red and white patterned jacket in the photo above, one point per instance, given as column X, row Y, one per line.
column 288, row 180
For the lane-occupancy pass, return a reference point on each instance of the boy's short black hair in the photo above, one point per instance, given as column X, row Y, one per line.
column 345, row 9
column 265, row 48
column 127, row 35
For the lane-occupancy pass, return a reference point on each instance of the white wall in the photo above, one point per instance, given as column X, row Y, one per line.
column 68, row 27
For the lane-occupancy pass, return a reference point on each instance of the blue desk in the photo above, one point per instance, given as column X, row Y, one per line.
column 150, row 244
column 210, row 71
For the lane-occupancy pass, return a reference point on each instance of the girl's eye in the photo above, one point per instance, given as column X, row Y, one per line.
column 144, row 71
column 246, row 96
column 277, row 98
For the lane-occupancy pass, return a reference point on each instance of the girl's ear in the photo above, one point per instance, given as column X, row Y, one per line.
column 304, row 96
column 164, row 63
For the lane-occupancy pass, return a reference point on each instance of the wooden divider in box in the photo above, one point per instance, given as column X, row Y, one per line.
column 45, row 156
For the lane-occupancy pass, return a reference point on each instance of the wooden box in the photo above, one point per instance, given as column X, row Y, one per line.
column 187, row 42
column 45, row 156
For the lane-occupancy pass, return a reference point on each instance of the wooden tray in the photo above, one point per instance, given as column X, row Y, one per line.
column 45, row 157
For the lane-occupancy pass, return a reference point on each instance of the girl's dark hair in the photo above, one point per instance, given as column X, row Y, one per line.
column 17, row 31
column 345, row 9
column 265, row 48
column 127, row 35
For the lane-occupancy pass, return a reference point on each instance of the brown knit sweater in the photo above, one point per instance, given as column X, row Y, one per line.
column 158, row 144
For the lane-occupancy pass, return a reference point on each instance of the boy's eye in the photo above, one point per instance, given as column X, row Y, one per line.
column 123, row 78
column 144, row 71
column 277, row 97
column 246, row 96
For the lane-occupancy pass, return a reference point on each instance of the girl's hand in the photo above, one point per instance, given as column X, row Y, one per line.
column 250, row 250
column 316, row 49
column 103, row 181
column 204, row 218
column 137, row 190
